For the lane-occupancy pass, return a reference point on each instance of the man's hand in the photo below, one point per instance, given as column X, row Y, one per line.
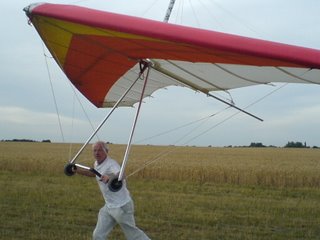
column 104, row 179
column 70, row 169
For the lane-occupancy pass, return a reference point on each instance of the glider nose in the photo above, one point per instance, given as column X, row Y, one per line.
column 28, row 9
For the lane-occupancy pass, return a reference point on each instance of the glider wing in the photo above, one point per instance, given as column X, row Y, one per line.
column 100, row 54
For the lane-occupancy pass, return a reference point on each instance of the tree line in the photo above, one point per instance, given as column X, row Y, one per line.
column 290, row 144
column 25, row 140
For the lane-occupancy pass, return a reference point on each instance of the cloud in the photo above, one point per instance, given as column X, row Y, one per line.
column 17, row 115
column 17, row 122
column 297, row 118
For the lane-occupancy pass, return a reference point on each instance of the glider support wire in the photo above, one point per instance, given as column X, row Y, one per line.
column 106, row 117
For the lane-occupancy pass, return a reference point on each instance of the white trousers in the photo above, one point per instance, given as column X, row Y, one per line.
column 124, row 216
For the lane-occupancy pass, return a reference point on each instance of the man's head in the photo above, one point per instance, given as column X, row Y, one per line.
column 100, row 151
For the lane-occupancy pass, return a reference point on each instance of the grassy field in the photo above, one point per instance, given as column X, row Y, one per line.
column 187, row 193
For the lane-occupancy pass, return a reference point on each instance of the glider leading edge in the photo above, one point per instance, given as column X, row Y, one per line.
column 104, row 54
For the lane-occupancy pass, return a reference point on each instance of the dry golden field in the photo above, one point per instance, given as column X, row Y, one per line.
column 277, row 167
column 183, row 193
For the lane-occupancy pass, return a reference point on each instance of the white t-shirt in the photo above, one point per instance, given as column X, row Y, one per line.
column 117, row 199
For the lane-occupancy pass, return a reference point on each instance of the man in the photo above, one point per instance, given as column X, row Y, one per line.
column 118, row 208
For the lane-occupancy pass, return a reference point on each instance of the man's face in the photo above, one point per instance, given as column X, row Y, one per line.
column 99, row 153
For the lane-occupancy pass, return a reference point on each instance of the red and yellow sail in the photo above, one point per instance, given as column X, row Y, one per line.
column 100, row 51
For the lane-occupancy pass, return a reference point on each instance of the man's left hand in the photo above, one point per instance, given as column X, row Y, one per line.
column 104, row 179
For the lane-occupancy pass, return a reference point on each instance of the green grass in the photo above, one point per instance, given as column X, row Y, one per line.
column 237, row 194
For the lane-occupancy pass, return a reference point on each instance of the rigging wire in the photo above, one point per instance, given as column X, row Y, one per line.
column 179, row 10
column 144, row 13
column 231, row 116
column 180, row 127
column 211, row 16
column 167, row 150
column 194, row 14
column 53, row 93
column 72, row 125
column 82, row 107
column 237, row 19
column 75, row 97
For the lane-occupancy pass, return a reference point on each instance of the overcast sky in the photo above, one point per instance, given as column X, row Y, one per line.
column 292, row 113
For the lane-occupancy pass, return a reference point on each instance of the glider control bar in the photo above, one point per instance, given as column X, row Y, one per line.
column 89, row 169
column 113, row 184
column 156, row 66
column 70, row 168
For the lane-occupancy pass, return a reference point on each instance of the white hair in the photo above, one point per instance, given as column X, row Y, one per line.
column 103, row 145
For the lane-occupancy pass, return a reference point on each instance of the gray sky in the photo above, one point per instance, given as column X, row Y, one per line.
column 27, row 108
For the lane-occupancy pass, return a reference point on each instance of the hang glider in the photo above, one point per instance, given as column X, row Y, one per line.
column 105, row 55
column 101, row 53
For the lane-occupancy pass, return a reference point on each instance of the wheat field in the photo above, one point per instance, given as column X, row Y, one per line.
column 182, row 193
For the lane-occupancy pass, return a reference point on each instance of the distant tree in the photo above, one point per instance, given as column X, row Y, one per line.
column 296, row 145
column 253, row 144
column 46, row 141
column 21, row 140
